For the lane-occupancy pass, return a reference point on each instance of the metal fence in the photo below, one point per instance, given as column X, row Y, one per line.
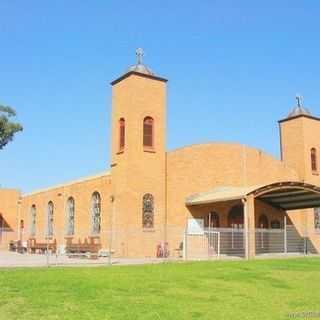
column 134, row 246
column 117, row 246
column 215, row 243
column 280, row 241
column 231, row 242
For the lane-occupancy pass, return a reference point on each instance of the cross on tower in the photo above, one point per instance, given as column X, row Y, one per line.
column 299, row 100
column 139, row 54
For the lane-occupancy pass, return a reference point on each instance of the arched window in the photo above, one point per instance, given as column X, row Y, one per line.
column 235, row 217
column 33, row 218
column 70, row 216
column 263, row 222
column 317, row 219
column 314, row 165
column 148, row 138
column 212, row 220
column 50, row 212
column 275, row 224
column 96, row 213
column 148, row 211
column 122, row 134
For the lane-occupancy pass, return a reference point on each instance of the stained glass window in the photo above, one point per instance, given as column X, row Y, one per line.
column 33, row 216
column 148, row 211
column 70, row 216
column 96, row 213
column 50, row 218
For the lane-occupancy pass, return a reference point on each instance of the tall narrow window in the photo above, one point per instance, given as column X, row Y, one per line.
column 148, row 138
column 317, row 219
column 122, row 134
column 50, row 213
column 314, row 165
column 33, row 216
column 70, row 216
column 148, row 211
column 96, row 213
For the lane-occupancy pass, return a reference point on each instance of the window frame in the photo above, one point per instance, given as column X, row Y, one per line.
column 50, row 219
column 147, row 210
column 146, row 136
column 68, row 207
column 33, row 224
column 94, row 232
column 314, row 160
column 122, row 134
column 316, row 219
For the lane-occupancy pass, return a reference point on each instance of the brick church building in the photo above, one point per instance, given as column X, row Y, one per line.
column 151, row 197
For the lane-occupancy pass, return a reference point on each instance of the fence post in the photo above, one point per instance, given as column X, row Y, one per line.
column 112, row 199
column 207, row 242
column 232, row 236
column 185, row 236
column 305, row 245
column 285, row 234
column 57, row 252
column 218, row 245
column 47, row 250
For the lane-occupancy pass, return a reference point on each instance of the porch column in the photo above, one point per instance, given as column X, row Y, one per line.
column 249, row 227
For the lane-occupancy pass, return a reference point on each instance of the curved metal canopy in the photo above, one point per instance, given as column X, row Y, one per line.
column 286, row 195
column 290, row 195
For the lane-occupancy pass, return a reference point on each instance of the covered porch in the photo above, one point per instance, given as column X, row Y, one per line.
column 249, row 221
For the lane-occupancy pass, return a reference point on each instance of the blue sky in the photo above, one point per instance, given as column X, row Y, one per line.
column 234, row 68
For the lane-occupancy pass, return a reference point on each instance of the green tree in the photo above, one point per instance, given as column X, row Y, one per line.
column 8, row 128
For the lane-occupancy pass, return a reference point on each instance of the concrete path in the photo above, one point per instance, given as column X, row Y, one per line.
column 13, row 259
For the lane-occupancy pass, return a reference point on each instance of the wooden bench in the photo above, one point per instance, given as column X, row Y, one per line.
column 88, row 249
column 17, row 246
column 42, row 247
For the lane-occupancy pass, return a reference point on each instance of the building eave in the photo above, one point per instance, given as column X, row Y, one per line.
column 128, row 74
column 67, row 184
column 299, row 116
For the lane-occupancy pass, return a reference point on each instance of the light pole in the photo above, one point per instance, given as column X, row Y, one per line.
column 112, row 200
column 20, row 226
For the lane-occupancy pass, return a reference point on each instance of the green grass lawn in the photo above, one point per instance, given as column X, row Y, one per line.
column 264, row 289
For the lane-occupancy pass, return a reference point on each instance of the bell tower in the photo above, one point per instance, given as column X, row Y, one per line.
column 300, row 143
column 138, row 156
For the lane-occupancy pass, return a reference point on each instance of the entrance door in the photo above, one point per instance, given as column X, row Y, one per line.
column 212, row 222
column 235, row 222
column 235, row 217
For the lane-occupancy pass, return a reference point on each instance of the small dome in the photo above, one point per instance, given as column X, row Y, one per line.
column 298, row 111
column 141, row 68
